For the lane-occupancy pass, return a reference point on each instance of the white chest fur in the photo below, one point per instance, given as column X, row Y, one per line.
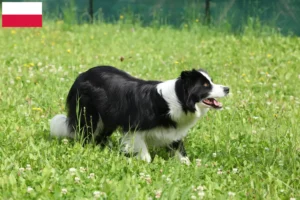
column 160, row 136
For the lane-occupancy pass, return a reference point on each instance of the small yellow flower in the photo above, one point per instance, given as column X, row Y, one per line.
column 105, row 33
column 243, row 75
column 37, row 109
column 275, row 115
column 92, row 37
column 269, row 55
column 248, row 81
column 18, row 78
column 69, row 50
column 289, row 62
column 121, row 17
column 176, row 62
column 31, row 64
column 197, row 20
column 13, row 32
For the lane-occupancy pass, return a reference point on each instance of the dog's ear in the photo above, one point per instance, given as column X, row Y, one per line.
column 189, row 74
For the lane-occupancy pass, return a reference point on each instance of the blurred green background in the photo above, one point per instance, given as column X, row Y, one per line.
column 233, row 15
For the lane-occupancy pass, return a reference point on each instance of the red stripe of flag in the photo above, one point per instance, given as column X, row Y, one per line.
column 22, row 20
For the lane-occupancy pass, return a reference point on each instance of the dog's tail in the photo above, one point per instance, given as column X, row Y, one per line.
column 59, row 126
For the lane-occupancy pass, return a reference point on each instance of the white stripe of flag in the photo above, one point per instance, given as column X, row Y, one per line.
column 21, row 8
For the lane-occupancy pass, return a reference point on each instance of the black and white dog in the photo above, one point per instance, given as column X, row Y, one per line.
column 150, row 113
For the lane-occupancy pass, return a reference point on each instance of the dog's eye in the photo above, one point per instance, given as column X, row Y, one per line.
column 205, row 84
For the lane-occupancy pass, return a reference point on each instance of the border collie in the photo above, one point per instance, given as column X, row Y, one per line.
column 150, row 113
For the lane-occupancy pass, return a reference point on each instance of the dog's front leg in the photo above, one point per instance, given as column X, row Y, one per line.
column 135, row 144
column 179, row 150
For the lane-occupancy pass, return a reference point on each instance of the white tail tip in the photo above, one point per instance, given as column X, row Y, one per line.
column 59, row 126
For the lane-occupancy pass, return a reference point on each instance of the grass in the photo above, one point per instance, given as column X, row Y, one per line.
column 249, row 150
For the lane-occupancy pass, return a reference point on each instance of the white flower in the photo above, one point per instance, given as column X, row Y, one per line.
column 77, row 179
column 28, row 167
column 72, row 171
column 193, row 197
column 65, row 141
column 157, row 194
column 219, row 172
column 198, row 162
column 200, row 188
column 29, row 189
column 148, row 178
column 234, row 170
column 97, row 194
column 292, row 198
column 201, row 194
column 274, row 84
column 64, row 191
column 231, row 194
column 142, row 175
column 168, row 180
column 91, row 176
column 21, row 169
column 82, row 169
column 39, row 64
column 214, row 155
column 254, row 132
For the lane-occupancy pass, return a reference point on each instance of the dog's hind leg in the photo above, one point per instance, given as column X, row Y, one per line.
column 102, row 137
column 177, row 147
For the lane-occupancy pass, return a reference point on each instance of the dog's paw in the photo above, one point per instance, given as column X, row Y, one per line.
column 185, row 160
column 146, row 157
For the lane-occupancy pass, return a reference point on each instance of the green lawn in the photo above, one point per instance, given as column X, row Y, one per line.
column 249, row 150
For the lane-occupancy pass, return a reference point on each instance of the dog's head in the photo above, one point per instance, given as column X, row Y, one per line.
column 199, row 89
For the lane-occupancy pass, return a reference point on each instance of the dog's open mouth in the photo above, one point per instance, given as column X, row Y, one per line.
column 212, row 103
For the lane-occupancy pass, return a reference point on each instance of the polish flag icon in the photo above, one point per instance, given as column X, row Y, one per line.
column 22, row 14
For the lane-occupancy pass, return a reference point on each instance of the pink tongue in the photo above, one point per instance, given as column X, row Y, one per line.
column 216, row 103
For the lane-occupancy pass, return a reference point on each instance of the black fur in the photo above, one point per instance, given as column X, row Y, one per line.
column 121, row 100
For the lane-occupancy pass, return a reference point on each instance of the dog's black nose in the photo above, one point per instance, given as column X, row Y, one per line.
column 226, row 90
